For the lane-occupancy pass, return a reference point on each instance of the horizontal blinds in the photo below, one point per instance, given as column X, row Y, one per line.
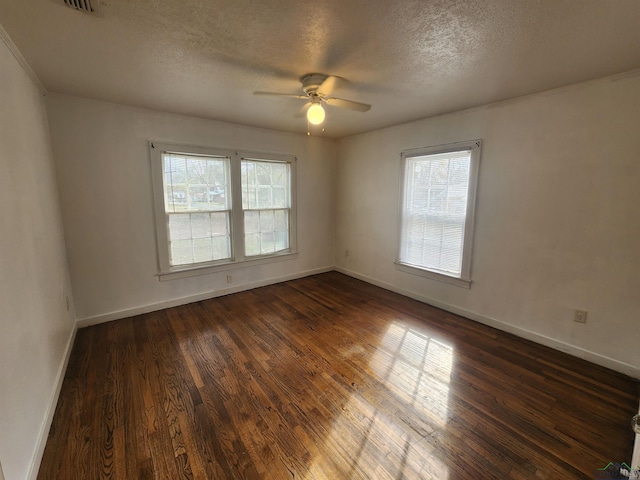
column 435, row 205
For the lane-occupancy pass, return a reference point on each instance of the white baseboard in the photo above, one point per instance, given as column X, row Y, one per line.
column 130, row 312
column 635, row 459
column 622, row 367
column 51, row 408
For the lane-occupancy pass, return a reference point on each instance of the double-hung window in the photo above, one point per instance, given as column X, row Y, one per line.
column 215, row 208
column 197, row 208
column 266, row 202
column 437, row 211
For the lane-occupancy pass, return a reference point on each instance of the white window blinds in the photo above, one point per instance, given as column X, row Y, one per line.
column 437, row 209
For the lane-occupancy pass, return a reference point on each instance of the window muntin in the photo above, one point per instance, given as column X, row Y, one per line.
column 215, row 208
column 438, row 199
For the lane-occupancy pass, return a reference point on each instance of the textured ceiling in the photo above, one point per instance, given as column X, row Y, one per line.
column 409, row 59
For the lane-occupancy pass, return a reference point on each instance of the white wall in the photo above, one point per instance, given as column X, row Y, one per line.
column 36, row 328
column 103, row 167
column 557, row 225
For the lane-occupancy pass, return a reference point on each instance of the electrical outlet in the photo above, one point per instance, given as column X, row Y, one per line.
column 66, row 299
column 580, row 316
column 229, row 278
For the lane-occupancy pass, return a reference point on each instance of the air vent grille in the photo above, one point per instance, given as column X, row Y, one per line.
column 87, row 6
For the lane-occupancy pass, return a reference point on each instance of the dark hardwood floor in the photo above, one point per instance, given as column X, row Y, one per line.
column 329, row 377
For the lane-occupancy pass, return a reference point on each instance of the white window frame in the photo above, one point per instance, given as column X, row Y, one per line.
column 236, row 220
column 464, row 279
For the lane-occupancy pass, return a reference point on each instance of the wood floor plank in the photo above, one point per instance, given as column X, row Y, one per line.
column 327, row 377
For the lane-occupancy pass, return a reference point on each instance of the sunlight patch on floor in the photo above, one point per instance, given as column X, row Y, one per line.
column 415, row 369
column 374, row 439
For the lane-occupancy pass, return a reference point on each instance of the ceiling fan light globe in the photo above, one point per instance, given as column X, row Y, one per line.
column 315, row 114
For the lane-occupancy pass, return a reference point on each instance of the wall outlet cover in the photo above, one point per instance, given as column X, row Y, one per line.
column 580, row 316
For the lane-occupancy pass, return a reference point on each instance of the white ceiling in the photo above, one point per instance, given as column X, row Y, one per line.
column 410, row 59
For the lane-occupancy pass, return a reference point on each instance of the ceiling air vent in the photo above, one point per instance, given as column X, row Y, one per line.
column 87, row 6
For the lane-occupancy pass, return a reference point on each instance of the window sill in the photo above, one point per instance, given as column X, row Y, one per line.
column 458, row 282
column 186, row 272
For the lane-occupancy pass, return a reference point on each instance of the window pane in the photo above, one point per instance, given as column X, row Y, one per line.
column 199, row 237
column 181, row 252
column 202, row 251
column 200, row 225
column 219, row 223
column 265, row 198
column 262, row 176
column 197, row 170
column 217, row 197
column 282, row 240
column 266, row 221
column 265, row 184
column 197, row 197
column 266, row 231
column 280, row 220
column 280, row 174
column 267, row 243
column 251, row 221
column 252, row 244
column 248, row 184
column 279, row 197
column 193, row 183
column 179, row 227
column 221, row 247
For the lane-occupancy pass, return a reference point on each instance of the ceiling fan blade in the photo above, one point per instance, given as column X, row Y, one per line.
column 327, row 87
column 303, row 110
column 350, row 104
column 290, row 95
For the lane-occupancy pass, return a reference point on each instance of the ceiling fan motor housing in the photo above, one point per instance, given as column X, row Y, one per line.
column 311, row 82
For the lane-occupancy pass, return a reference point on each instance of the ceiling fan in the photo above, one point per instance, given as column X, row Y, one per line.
column 317, row 88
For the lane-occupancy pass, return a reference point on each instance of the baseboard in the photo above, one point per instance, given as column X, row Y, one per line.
column 635, row 458
column 130, row 312
column 618, row 366
column 51, row 408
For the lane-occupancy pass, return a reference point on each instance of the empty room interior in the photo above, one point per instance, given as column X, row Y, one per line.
column 320, row 240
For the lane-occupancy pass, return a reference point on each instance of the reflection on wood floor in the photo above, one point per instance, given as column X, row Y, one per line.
column 329, row 377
